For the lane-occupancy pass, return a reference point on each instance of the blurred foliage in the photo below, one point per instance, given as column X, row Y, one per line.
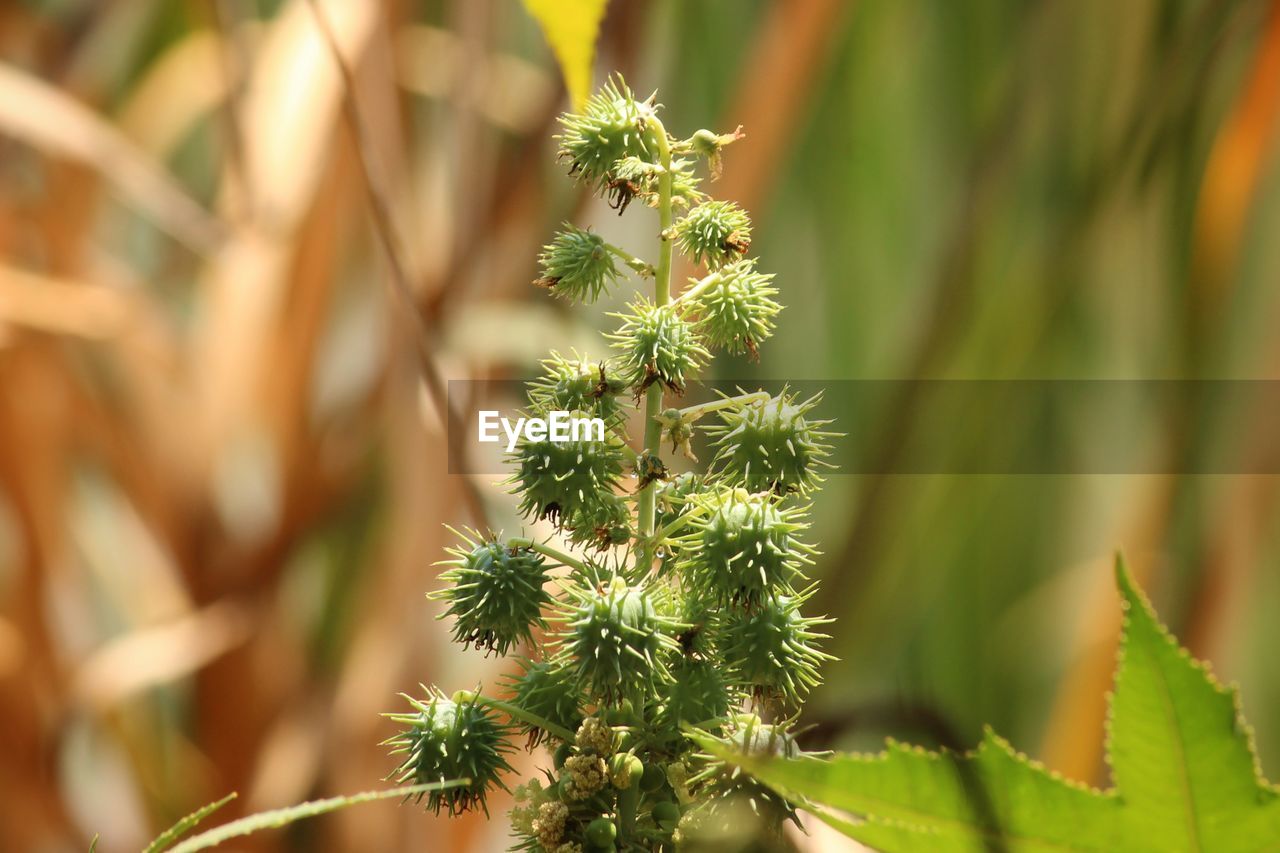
column 221, row 481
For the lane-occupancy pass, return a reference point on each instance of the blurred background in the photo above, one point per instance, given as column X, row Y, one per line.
column 223, row 479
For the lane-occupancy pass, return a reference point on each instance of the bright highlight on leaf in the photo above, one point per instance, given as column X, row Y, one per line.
column 1182, row 759
column 571, row 27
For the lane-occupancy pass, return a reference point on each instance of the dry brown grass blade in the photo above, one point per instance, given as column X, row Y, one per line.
column 49, row 120
column 290, row 114
column 151, row 656
column 511, row 90
column 179, row 88
column 400, row 278
column 61, row 307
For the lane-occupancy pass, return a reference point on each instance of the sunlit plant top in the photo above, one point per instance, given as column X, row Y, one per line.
column 679, row 602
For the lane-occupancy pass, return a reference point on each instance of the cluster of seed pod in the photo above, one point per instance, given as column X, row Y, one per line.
column 677, row 604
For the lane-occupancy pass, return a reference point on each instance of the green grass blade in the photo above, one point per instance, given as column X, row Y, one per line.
column 182, row 827
column 283, row 817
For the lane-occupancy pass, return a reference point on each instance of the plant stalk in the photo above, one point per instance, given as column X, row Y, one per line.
column 647, row 505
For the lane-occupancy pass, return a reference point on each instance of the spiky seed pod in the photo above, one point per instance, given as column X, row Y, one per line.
column 494, row 592
column 742, row 549
column 447, row 739
column 698, row 692
column 577, row 265
column 673, row 500
column 657, row 345
column 734, row 307
column 575, row 383
column 641, row 178
column 771, row 649
column 618, row 641
column 696, row 613
column 714, row 233
column 612, row 127
column 603, row 524
column 732, row 802
column 772, row 445
column 570, row 482
column 548, row 690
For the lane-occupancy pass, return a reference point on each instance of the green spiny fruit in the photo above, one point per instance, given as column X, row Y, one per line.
column 618, row 640
column 732, row 803
column 571, row 482
column 641, row 178
column 548, row 690
column 575, row 383
column 577, row 265
column 771, row 648
column 772, row 445
column 714, row 233
column 734, row 307
column 495, row 593
column 657, row 345
column 742, row 548
column 612, row 127
column 698, row 692
column 449, row 739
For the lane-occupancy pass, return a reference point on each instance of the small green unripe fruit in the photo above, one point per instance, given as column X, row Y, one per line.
column 495, row 593
column 653, row 777
column 772, row 445
column 714, row 233
column 742, row 549
column 446, row 739
column 617, row 640
column 601, row 833
column 625, row 770
column 666, row 814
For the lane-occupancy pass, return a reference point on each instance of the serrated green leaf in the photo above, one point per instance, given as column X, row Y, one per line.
column 282, row 817
column 1186, row 774
column 1179, row 749
column 571, row 27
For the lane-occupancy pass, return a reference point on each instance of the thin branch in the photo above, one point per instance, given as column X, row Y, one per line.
column 384, row 227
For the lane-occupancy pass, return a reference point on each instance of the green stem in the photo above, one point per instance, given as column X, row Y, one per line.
column 678, row 523
column 692, row 413
column 515, row 712
column 691, row 293
column 641, row 268
column 647, row 505
column 544, row 548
